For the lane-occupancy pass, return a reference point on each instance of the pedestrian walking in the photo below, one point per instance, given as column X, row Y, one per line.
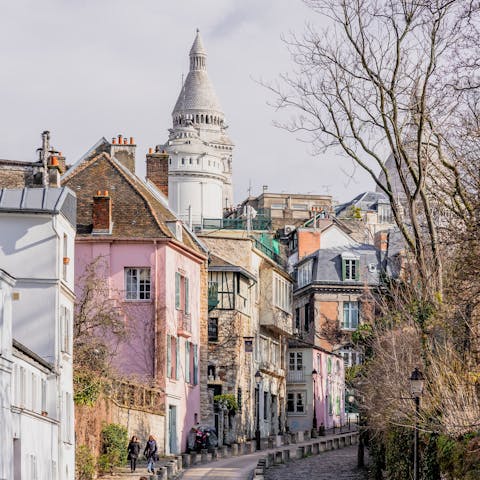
column 151, row 454
column 133, row 452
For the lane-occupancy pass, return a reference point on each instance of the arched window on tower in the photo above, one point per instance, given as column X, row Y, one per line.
column 207, row 119
column 196, row 118
column 183, row 161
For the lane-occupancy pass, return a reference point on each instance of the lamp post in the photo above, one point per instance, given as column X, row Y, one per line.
column 416, row 389
column 258, row 381
column 314, row 377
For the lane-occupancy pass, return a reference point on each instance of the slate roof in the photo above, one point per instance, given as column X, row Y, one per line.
column 327, row 265
column 365, row 201
column 39, row 200
column 218, row 264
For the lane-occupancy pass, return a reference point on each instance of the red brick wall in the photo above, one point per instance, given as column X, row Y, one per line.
column 157, row 171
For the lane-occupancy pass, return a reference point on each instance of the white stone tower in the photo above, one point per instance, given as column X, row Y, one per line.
column 200, row 151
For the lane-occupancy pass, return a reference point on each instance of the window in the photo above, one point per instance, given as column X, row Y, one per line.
column 182, row 293
column 137, row 281
column 65, row 256
column 306, row 317
column 350, row 268
column 350, row 356
column 213, row 329
column 239, row 400
column 282, row 293
column 297, row 318
column 295, row 361
column 299, row 206
column 265, row 405
column 385, row 213
column 67, row 417
column 277, row 206
column 304, row 275
column 173, row 359
column 65, row 330
column 187, row 361
column 350, row 315
column 44, row 395
column 195, row 364
column 296, row 402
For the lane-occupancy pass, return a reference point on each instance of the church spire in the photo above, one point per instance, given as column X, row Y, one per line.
column 198, row 55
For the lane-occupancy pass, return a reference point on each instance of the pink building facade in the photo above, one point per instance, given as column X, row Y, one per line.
column 154, row 269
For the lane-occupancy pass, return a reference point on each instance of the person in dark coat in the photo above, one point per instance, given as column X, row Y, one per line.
column 133, row 452
column 151, row 454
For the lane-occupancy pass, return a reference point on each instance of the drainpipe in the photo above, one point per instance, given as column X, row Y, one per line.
column 155, row 306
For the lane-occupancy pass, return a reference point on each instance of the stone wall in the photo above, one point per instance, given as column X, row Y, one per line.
column 89, row 422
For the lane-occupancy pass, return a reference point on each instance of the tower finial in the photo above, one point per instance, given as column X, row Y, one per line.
column 198, row 30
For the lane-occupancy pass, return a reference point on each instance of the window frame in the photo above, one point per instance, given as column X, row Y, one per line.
column 138, row 284
column 350, row 307
column 296, row 396
column 212, row 338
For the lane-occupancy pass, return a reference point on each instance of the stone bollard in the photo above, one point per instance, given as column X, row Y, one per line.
column 341, row 442
column 162, row 474
column 314, row 433
column 286, row 439
column 185, row 460
column 308, row 450
column 179, row 460
column 286, row 455
column 329, row 445
column 234, row 447
column 264, row 443
column 306, row 435
column 247, row 447
column 193, row 458
column 224, row 450
column 169, row 467
column 271, row 442
column 300, row 452
column 214, row 454
column 354, row 438
column 270, row 460
column 335, row 443
column 315, row 448
column 348, row 440
column 300, row 437
column 278, row 457
column 323, row 446
column 203, row 455
column 173, row 463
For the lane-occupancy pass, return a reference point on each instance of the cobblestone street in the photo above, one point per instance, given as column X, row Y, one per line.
column 333, row 465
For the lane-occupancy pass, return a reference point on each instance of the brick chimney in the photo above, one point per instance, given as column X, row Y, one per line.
column 123, row 149
column 157, row 170
column 102, row 213
column 381, row 240
column 308, row 241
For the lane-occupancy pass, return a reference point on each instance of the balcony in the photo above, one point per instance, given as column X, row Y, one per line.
column 212, row 295
column 276, row 320
column 296, row 376
column 184, row 325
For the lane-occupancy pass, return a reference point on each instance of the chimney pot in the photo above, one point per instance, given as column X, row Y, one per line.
column 99, row 193
column 150, row 150
column 105, row 193
column 54, row 161
column 131, row 141
column 114, row 141
column 120, row 140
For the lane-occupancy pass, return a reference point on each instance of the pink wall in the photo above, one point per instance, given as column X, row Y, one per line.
column 135, row 356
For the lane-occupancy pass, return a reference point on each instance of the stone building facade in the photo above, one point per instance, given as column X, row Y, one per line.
column 249, row 325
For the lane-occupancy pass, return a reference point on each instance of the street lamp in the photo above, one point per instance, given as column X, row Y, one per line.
column 314, row 377
column 416, row 389
column 258, row 381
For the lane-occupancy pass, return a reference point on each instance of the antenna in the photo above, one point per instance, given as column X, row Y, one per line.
column 249, row 187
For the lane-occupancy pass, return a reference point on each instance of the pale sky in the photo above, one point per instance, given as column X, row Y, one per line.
column 84, row 69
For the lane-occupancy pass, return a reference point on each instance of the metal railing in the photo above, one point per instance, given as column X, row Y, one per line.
column 296, row 376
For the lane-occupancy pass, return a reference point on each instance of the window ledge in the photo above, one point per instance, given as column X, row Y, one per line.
column 134, row 300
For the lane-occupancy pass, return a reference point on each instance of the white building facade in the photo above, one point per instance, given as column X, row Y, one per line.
column 200, row 151
column 36, row 249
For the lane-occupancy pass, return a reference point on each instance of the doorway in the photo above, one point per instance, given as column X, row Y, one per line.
column 172, row 429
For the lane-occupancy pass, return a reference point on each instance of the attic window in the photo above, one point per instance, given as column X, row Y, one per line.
column 350, row 267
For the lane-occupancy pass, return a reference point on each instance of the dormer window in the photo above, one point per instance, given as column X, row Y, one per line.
column 350, row 267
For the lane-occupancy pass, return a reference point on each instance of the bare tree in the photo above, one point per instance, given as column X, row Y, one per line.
column 373, row 84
